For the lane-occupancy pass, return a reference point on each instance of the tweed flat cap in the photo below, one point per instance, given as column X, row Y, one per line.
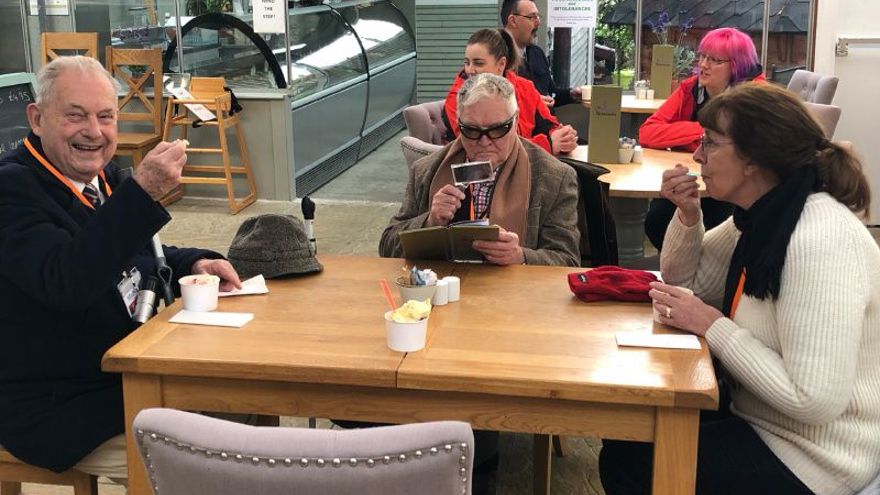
column 274, row 245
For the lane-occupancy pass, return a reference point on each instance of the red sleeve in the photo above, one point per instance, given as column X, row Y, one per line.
column 450, row 107
column 543, row 141
column 670, row 126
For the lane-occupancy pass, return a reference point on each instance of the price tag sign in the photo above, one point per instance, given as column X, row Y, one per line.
column 572, row 13
column 270, row 16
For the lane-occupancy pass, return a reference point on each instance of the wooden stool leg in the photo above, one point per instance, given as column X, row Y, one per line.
column 541, row 464
column 10, row 488
column 85, row 485
column 559, row 445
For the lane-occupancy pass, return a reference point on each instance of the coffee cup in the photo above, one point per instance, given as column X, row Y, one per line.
column 199, row 292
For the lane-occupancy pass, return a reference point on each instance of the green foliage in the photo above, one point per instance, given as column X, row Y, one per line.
column 197, row 7
column 684, row 59
column 618, row 37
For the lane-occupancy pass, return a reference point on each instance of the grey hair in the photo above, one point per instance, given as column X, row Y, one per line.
column 485, row 85
column 49, row 74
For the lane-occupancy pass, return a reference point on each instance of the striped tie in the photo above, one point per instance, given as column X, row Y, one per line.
column 91, row 194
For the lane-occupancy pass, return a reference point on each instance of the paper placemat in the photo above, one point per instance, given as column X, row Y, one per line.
column 212, row 318
column 666, row 341
column 253, row 285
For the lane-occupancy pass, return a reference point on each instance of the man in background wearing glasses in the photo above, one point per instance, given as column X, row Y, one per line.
column 533, row 197
column 522, row 20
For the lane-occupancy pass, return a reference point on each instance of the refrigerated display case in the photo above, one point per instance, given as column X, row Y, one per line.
column 351, row 73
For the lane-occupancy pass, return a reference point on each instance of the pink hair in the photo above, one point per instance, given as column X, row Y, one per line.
column 734, row 45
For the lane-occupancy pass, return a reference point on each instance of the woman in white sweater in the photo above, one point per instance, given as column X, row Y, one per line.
column 787, row 294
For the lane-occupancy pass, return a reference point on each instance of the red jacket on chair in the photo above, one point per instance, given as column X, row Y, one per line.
column 535, row 122
column 674, row 124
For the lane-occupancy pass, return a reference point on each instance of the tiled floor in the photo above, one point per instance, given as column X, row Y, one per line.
column 351, row 212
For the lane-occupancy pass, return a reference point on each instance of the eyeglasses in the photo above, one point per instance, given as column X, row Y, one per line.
column 532, row 17
column 708, row 144
column 712, row 60
column 493, row 133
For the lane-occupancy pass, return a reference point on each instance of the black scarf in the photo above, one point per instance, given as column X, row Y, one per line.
column 766, row 231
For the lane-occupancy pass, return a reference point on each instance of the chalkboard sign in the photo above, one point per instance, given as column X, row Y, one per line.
column 16, row 92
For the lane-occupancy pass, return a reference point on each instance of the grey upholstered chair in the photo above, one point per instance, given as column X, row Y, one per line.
column 188, row 453
column 826, row 115
column 813, row 87
column 873, row 487
column 414, row 148
column 425, row 121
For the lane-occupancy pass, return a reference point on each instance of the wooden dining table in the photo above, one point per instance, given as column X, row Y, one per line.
column 630, row 104
column 517, row 353
column 631, row 186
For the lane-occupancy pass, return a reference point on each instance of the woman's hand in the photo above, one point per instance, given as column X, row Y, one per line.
column 444, row 204
column 563, row 139
column 505, row 251
column 684, row 192
column 682, row 310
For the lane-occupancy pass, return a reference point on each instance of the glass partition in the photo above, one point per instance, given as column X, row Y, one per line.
column 382, row 30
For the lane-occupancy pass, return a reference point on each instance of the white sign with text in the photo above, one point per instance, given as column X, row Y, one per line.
column 572, row 13
column 270, row 16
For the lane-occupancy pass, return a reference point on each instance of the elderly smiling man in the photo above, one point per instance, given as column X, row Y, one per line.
column 533, row 198
column 72, row 232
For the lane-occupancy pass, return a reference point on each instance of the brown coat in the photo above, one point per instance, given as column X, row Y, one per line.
column 552, row 235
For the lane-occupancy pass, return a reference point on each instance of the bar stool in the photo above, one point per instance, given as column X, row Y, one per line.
column 14, row 472
column 210, row 92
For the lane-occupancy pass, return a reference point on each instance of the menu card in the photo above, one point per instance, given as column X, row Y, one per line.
column 661, row 70
column 604, row 124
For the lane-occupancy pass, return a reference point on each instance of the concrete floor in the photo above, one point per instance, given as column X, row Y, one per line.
column 351, row 212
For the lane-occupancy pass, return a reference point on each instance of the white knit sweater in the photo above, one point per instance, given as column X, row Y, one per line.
column 807, row 363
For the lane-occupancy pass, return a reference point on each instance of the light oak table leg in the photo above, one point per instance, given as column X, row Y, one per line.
column 10, row 488
column 675, row 451
column 541, row 458
column 140, row 392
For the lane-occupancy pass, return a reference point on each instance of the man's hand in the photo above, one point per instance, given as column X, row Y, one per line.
column 575, row 93
column 159, row 171
column 228, row 276
column 444, row 204
column 505, row 251
column 564, row 139
column 548, row 100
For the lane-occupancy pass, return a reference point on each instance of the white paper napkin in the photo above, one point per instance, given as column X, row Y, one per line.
column 253, row 285
column 666, row 341
column 213, row 318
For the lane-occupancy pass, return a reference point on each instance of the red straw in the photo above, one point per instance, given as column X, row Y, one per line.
column 387, row 290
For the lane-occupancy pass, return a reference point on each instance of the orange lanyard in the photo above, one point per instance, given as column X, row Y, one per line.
column 473, row 202
column 739, row 292
column 64, row 180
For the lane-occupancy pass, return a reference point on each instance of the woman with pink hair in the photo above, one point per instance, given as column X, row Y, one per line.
column 726, row 57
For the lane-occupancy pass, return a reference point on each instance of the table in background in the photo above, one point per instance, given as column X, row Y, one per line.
column 631, row 187
column 517, row 353
column 630, row 104
column 634, row 112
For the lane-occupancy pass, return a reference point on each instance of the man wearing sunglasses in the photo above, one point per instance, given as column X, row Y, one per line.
column 533, row 197
column 521, row 19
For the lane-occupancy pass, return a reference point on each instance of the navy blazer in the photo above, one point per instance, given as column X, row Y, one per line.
column 60, row 309
column 536, row 68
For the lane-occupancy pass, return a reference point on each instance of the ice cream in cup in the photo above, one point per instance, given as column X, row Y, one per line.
column 199, row 292
column 407, row 326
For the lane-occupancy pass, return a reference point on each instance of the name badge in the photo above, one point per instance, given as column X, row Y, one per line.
column 128, row 288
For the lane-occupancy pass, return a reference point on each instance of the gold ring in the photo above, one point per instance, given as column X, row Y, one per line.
column 668, row 312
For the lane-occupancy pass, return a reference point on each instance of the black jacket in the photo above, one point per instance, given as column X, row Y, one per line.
column 60, row 309
column 536, row 68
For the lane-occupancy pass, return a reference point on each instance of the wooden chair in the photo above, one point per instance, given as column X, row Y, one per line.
column 138, row 70
column 210, row 92
column 14, row 472
column 68, row 44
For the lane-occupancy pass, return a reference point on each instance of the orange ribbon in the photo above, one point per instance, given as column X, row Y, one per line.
column 738, row 294
column 64, row 180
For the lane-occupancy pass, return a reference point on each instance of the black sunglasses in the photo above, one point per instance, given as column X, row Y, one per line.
column 494, row 132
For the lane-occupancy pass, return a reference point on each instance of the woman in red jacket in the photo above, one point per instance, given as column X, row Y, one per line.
column 726, row 57
column 494, row 51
